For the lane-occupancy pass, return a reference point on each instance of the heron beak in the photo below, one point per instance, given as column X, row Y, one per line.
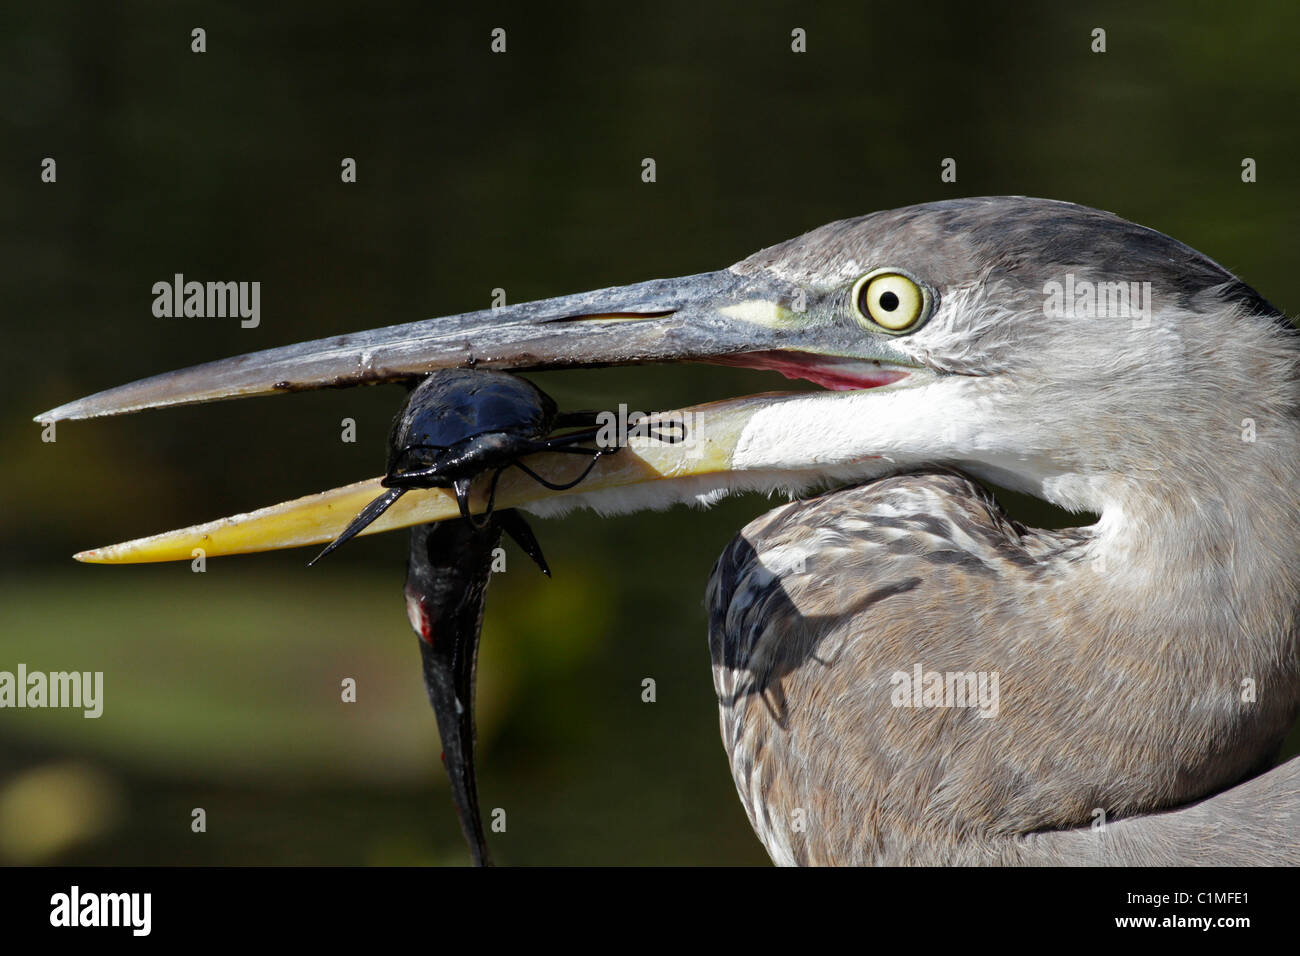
column 723, row 317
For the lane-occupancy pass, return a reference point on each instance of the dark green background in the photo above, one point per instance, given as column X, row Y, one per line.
column 478, row 171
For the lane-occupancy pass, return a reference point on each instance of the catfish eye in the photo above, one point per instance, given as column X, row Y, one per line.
column 890, row 300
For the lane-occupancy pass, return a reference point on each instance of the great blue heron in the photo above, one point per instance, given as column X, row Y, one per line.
column 1137, row 665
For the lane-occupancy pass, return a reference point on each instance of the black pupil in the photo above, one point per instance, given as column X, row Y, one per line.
column 888, row 301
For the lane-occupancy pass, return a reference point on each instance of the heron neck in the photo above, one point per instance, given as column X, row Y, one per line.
column 1220, row 532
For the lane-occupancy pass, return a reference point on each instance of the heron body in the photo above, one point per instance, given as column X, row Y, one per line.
column 1133, row 677
column 1146, row 661
column 1107, row 704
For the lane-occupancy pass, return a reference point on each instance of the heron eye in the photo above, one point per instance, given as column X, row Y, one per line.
column 890, row 300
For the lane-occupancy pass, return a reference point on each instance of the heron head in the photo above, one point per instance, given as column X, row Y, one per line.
column 1049, row 347
column 1054, row 348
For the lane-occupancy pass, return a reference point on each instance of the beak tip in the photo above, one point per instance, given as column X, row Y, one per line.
column 63, row 413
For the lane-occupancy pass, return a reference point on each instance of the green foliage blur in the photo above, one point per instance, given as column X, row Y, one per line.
column 477, row 171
